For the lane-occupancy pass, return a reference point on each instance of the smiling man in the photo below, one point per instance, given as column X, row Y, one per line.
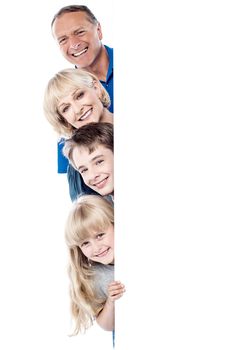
column 79, row 36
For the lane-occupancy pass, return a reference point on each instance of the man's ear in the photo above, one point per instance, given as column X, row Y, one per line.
column 99, row 31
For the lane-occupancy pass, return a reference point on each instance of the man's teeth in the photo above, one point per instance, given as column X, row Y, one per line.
column 77, row 54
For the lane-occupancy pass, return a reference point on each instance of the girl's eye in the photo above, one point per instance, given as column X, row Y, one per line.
column 100, row 235
column 84, row 244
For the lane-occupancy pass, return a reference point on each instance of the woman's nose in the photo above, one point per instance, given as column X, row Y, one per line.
column 77, row 108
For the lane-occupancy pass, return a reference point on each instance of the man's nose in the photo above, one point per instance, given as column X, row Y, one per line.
column 74, row 44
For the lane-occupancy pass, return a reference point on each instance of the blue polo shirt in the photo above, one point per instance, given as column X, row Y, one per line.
column 62, row 162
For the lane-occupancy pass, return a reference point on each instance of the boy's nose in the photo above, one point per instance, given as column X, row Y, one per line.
column 94, row 175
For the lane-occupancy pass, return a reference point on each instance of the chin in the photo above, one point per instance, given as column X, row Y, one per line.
column 106, row 192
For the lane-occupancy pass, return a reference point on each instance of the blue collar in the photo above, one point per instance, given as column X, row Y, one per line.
column 110, row 66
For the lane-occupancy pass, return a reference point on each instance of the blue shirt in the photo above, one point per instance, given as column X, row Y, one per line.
column 62, row 161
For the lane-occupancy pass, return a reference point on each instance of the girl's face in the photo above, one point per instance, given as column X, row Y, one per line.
column 99, row 247
column 82, row 106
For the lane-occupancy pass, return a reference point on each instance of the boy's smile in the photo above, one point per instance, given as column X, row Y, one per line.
column 96, row 168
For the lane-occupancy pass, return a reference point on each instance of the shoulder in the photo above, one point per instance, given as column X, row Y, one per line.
column 101, row 268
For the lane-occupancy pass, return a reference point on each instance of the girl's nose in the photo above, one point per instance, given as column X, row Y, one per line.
column 95, row 248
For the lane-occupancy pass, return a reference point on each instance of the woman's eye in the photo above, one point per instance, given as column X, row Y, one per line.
column 65, row 109
column 79, row 95
column 100, row 235
column 84, row 244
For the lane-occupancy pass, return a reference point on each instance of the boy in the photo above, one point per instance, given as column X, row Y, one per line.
column 90, row 152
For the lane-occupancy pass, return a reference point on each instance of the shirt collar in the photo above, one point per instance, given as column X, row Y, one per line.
column 110, row 66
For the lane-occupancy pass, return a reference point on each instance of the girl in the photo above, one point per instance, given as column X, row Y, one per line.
column 90, row 239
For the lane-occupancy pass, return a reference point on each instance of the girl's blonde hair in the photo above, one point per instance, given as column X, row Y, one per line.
column 62, row 84
column 90, row 214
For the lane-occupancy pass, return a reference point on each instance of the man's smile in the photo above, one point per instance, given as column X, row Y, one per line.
column 77, row 54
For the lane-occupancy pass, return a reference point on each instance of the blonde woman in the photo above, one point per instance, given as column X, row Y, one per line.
column 73, row 98
column 90, row 239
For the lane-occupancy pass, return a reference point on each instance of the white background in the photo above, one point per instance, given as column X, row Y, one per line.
column 173, row 184
column 34, row 299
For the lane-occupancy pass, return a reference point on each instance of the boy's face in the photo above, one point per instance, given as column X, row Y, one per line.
column 96, row 168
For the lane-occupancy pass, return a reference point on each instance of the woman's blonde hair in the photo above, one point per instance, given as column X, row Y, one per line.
column 63, row 83
column 90, row 214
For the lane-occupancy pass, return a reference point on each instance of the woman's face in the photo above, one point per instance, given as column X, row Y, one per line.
column 99, row 247
column 81, row 106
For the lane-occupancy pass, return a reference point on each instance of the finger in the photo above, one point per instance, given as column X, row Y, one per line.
column 116, row 286
column 116, row 297
column 116, row 292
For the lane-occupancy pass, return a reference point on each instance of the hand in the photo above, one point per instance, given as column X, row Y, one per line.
column 115, row 290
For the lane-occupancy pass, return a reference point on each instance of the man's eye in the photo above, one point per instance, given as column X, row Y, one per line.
column 62, row 41
column 79, row 32
column 99, row 161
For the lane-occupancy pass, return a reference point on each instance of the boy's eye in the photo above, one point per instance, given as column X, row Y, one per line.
column 83, row 171
column 99, row 161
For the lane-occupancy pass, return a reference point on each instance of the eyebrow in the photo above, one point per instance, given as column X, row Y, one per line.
column 64, row 36
column 92, row 160
column 65, row 103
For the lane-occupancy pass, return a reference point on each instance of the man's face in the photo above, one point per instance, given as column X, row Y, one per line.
column 78, row 38
column 96, row 168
